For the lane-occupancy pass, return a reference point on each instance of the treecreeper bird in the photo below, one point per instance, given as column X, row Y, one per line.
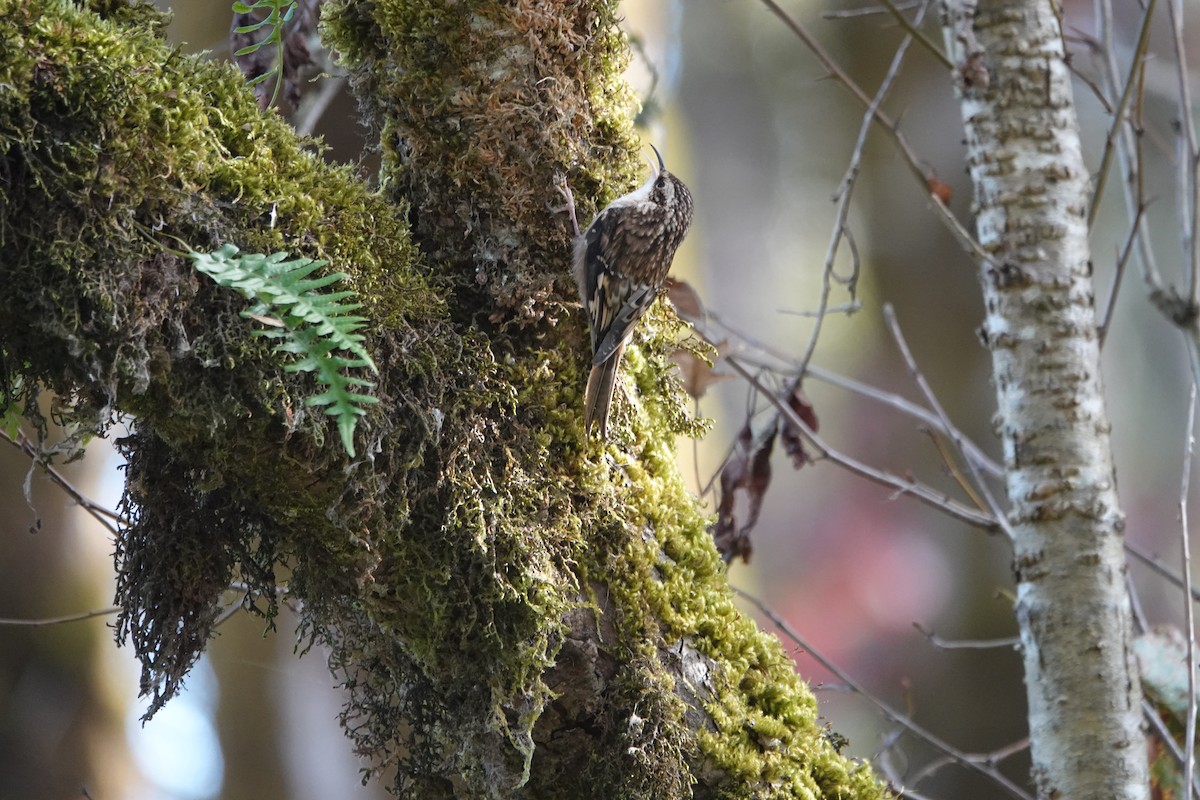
column 621, row 262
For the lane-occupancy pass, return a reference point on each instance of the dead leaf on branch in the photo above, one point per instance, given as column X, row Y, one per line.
column 696, row 361
column 696, row 372
column 685, row 299
column 793, row 439
column 748, row 469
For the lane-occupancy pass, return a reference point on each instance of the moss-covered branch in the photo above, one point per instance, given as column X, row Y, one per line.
column 514, row 610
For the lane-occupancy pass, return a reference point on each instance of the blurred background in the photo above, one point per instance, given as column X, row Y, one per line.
column 745, row 114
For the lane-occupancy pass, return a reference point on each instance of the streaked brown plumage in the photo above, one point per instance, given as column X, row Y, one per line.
column 621, row 261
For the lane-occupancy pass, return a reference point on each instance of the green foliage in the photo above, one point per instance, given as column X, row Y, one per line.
column 319, row 328
column 279, row 13
column 10, row 420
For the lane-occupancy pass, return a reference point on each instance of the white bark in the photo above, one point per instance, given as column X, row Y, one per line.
column 1031, row 193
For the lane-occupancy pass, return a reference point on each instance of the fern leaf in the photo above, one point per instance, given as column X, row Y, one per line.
column 321, row 330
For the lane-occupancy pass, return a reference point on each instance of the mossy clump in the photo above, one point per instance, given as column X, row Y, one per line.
column 442, row 567
column 108, row 136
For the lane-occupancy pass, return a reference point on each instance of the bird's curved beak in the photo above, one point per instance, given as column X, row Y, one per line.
column 658, row 155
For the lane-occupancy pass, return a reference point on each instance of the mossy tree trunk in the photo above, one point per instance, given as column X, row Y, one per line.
column 515, row 611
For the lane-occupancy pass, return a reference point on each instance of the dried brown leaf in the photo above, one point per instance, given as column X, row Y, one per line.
column 793, row 439
column 696, row 373
column 685, row 299
column 749, row 470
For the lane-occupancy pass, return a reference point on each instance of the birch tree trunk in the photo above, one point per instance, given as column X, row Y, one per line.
column 1031, row 194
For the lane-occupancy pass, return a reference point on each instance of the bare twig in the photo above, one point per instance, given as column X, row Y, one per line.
column 1130, row 151
column 844, row 308
column 105, row 516
column 1190, row 157
column 1140, row 622
column 888, row 711
column 1151, row 562
column 846, row 190
column 955, row 435
column 1007, row 642
column 911, row 29
column 992, row 759
column 1126, row 250
column 866, row 11
column 902, row 486
column 1188, row 609
column 951, row 464
column 1165, row 736
column 44, row 621
column 970, row 449
column 1128, row 91
column 889, row 125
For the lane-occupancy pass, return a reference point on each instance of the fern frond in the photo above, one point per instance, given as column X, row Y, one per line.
column 279, row 13
column 321, row 330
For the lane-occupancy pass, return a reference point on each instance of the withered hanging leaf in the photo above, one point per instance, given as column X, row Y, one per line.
column 748, row 469
column 685, row 299
column 696, row 373
column 793, row 439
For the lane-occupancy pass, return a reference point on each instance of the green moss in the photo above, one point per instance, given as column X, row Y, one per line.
column 105, row 133
column 441, row 568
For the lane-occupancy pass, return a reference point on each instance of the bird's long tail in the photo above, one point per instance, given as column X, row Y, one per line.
column 598, row 399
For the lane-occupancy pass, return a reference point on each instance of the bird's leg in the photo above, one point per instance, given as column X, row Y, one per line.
column 565, row 190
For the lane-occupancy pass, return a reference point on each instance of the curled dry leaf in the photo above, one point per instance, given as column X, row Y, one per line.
column 793, row 439
column 748, row 469
column 696, row 372
column 685, row 299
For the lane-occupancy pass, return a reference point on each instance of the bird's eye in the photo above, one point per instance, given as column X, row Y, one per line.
column 660, row 183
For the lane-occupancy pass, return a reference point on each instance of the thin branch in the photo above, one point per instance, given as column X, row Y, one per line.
column 887, row 710
column 1126, row 250
column 917, row 490
column 888, row 124
column 1140, row 622
column 1090, row 43
column 951, row 465
column 1151, row 562
column 844, row 308
column 846, row 191
column 889, row 315
column 997, row 756
column 1131, row 151
column 901, row 404
column 1189, row 761
column 960, row 233
column 1007, row 642
column 1167, row 738
column 1128, row 91
column 105, row 516
column 44, row 621
column 970, row 450
column 866, row 11
column 911, row 29
column 1188, row 184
